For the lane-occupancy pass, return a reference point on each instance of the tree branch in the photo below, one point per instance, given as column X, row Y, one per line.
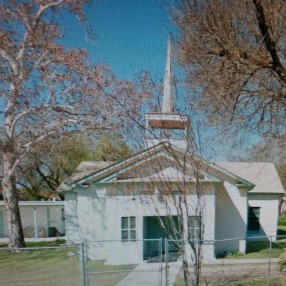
column 269, row 43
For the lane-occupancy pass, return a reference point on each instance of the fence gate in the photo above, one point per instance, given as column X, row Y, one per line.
column 119, row 263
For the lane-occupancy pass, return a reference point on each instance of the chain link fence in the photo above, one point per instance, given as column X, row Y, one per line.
column 148, row 262
column 121, row 262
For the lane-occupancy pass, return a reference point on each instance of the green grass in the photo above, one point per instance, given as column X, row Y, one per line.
column 59, row 266
column 282, row 220
column 258, row 249
column 56, row 242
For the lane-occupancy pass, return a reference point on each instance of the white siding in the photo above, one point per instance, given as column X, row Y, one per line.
column 231, row 218
column 71, row 217
column 269, row 209
column 99, row 219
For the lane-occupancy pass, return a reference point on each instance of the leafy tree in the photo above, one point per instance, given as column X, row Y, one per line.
column 47, row 90
column 42, row 172
column 40, row 175
column 111, row 148
column 234, row 53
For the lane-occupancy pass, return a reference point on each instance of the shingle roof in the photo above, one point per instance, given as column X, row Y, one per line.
column 263, row 175
column 260, row 177
column 86, row 168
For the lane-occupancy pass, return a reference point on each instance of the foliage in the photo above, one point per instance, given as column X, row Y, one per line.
column 41, row 173
column 48, row 91
column 282, row 262
column 282, row 220
column 55, row 160
column 233, row 53
column 111, row 148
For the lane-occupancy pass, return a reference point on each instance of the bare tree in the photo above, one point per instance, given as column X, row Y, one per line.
column 233, row 53
column 47, row 90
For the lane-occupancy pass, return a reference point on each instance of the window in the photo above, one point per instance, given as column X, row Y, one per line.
column 195, row 227
column 63, row 214
column 253, row 219
column 128, row 228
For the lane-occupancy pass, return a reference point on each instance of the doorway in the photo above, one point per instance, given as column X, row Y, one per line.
column 155, row 228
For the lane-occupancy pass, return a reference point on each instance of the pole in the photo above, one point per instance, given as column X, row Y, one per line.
column 35, row 224
column 269, row 262
column 82, row 265
column 166, row 262
column 161, row 255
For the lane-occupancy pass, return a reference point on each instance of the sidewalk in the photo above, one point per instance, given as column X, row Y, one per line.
column 149, row 274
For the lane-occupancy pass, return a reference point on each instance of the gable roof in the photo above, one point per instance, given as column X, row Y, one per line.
column 87, row 168
column 89, row 172
column 263, row 175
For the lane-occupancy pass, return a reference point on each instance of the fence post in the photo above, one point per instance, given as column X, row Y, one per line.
column 269, row 261
column 86, row 263
column 166, row 262
column 161, row 255
column 82, row 265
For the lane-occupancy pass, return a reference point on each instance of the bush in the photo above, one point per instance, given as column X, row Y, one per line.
column 282, row 262
column 282, row 220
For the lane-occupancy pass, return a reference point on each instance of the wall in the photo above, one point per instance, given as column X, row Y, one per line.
column 269, row 210
column 71, row 217
column 231, row 218
column 99, row 219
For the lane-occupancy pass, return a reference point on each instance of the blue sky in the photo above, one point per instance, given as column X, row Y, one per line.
column 130, row 35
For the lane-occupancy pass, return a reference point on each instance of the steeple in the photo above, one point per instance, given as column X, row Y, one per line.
column 175, row 124
column 168, row 95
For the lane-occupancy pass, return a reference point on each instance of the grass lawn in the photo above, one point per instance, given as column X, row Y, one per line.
column 107, row 277
column 259, row 249
column 59, row 266
column 254, row 250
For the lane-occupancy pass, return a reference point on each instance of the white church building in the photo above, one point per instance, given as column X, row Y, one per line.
column 135, row 199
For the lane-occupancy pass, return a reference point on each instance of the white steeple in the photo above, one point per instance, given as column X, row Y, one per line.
column 168, row 95
column 175, row 124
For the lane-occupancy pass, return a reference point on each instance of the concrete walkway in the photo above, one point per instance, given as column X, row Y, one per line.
column 149, row 274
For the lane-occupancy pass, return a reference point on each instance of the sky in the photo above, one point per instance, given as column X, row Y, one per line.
column 131, row 36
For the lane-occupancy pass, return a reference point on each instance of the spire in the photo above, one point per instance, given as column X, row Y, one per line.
column 160, row 126
column 168, row 95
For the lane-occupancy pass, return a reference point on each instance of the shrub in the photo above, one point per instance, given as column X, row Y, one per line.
column 282, row 262
column 282, row 220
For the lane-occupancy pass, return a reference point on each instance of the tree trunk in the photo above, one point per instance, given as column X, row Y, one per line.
column 15, row 230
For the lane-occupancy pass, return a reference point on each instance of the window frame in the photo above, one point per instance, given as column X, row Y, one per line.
column 195, row 231
column 130, row 229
